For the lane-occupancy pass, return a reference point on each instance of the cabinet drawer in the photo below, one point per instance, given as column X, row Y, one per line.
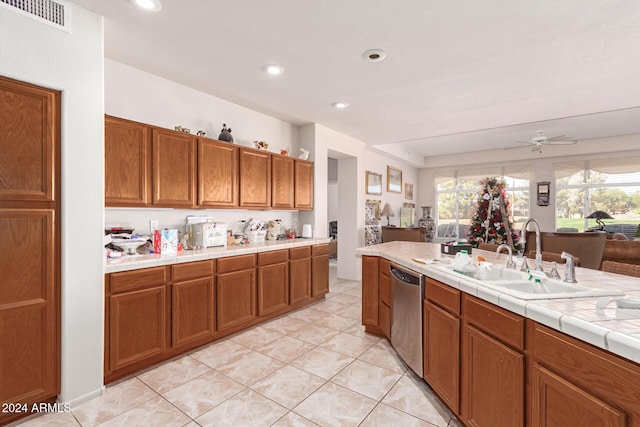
column 138, row 279
column 192, row 270
column 317, row 250
column 300, row 253
column 273, row 257
column 444, row 296
column 236, row 263
column 495, row 321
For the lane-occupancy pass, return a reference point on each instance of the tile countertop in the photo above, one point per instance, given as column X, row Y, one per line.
column 135, row 262
column 614, row 329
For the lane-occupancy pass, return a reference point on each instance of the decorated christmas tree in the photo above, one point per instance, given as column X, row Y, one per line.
column 490, row 223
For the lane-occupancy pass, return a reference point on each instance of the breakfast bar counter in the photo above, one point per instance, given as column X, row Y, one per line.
column 614, row 329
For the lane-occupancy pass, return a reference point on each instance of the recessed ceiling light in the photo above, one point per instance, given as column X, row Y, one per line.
column 340, row 105
column 274, row 70
column 148, row 5
column 374, row 55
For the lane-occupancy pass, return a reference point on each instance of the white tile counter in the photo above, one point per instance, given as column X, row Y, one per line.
column 614, row 329
column 135, row 262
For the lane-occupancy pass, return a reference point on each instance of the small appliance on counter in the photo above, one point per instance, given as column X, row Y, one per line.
column 203, row 232
column 306, row 231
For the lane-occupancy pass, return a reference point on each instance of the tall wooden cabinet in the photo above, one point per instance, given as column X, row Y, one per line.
column 30, row 250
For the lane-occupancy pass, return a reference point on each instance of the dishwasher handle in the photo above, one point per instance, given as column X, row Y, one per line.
column 405, row 277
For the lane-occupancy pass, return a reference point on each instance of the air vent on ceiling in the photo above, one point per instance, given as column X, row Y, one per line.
column 54, row 13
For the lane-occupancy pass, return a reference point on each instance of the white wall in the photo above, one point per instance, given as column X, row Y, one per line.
column 542, row 165
column 134, row 94
column 73, row 63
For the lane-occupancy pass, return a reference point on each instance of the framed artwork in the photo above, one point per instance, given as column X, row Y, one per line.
column 394, row 180
column 374, row 207
column 409, row 205
column 373, row 183
column 408, row 191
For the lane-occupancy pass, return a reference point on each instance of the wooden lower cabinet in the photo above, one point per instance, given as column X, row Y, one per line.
column 370, row 294
column 236, row 298
column 299, row 275
column 441, row 353
column 385, row 297
column 319, row 270
column 192, row 311
column 273, row 282
column 492, row 381
column 138, row 322
column 557, row 402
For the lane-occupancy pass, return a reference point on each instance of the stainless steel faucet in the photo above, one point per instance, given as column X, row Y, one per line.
column 510, row 262
column 569, row 267
column 523, row 241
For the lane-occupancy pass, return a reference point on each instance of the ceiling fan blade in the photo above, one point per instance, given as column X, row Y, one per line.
column 513, row 148
column 562, row 142
column 526, row 141
column 537, row 148
column 557, row 138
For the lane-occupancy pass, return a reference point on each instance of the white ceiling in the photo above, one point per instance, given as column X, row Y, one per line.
column 459, row 76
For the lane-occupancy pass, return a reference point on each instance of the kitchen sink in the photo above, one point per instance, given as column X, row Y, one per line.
column 519, row 285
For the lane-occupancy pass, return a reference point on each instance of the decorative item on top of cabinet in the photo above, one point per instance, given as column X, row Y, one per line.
column 261, row 145
column 305, row 154
column 201, row 133
column 182, row 129
column 225, row 134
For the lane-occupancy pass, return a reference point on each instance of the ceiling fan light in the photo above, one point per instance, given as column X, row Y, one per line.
column 273, row 69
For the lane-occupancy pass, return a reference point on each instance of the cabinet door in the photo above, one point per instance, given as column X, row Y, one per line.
column 492, row 382
column 217, row 174
column 299, row 280
column 441, row 341
column 137, row 326
column 29, row 317
column 273, row 288
column 29, row 135
column 282, row 180
column 192, row 311
column 255, row 178
column 370, row 291
column 557, row 402
column 127, row 162
column 319, row 275
column 236, row 298
column 304, row 185
column 174, row 169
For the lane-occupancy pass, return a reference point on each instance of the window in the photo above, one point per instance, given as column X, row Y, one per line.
column 608, row 185
column 457, row 190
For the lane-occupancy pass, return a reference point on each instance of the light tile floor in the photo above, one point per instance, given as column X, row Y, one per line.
column 315, row 366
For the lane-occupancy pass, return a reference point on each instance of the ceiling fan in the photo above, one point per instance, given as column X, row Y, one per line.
column 537, row 142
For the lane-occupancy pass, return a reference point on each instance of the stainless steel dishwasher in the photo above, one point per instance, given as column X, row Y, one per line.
column 407, row 288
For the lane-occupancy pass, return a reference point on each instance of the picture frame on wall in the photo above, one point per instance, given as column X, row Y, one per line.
column 408, row 191
column 394, row 180
column 373, row 183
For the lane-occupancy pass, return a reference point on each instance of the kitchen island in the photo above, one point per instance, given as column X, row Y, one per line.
column 498, row 360
column 161, row 306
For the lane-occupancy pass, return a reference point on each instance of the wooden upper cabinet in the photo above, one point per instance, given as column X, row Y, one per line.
column 217, row 174
column 127, row 163
column 282, row 182
column 303, row 185
column 174, row 168
column 29, row 131
column 255, row 178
